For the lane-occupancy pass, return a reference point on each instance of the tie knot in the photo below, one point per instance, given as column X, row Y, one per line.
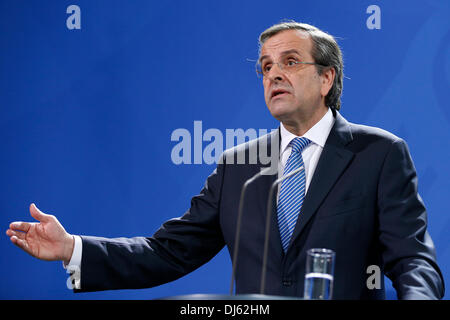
column 298, row 144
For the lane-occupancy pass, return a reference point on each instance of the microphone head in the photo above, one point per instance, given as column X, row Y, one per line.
column 267, row 171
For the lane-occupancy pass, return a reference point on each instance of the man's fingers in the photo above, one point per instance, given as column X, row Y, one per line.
column 20, row 226
column 20, row 243
column 18, row 234
column 38, row 214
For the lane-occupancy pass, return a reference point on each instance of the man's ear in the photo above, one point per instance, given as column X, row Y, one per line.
column 327, row 78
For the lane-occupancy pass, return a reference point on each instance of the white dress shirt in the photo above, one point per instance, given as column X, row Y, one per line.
column 318, row 135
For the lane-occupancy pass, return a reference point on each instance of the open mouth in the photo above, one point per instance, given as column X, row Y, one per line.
column 279, row 93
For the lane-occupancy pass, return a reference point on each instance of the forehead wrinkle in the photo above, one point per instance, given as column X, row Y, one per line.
column 283, row 54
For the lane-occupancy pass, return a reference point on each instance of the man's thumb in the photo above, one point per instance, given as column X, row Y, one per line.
column 37, row 214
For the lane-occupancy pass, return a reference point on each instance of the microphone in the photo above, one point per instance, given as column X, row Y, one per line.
column 262, row 172
column 268, row 219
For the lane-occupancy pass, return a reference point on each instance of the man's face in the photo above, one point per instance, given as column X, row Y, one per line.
column 289, row 94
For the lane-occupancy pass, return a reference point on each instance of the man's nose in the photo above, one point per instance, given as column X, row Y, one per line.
column 276, row 73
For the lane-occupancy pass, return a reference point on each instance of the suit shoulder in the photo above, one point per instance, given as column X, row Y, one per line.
column 250, row 145
column 364, row 132
column 255, row 151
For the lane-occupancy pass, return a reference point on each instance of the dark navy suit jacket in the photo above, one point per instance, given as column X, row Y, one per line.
column 362, row 203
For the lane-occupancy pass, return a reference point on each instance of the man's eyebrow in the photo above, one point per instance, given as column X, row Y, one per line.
column 284, row 53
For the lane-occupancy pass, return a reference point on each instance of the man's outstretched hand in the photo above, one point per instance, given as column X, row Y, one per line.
column 46, row 240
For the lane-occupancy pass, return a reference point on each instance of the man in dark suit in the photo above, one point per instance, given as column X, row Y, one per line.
column 355, row 193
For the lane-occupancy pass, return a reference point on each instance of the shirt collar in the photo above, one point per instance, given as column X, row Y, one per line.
column 318, row 134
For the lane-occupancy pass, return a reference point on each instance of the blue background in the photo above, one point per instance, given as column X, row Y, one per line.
column 86, row 115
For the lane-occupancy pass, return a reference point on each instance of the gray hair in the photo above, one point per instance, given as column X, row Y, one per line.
column 325, row 52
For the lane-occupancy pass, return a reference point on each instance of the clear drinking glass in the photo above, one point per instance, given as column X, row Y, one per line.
column 319, row 274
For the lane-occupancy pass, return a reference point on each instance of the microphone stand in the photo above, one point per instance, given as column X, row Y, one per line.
column 262, row 172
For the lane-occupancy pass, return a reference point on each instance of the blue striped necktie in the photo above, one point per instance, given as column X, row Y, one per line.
column 292, row 192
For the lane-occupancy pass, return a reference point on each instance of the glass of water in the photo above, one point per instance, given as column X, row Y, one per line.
column 319, row 274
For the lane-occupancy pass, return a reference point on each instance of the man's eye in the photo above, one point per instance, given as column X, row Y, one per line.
column 267, row 67
column 291, row 62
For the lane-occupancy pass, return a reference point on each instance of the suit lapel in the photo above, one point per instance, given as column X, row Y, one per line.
column 333, row 161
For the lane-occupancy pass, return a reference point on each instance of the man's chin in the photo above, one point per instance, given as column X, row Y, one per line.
column 280, row 112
